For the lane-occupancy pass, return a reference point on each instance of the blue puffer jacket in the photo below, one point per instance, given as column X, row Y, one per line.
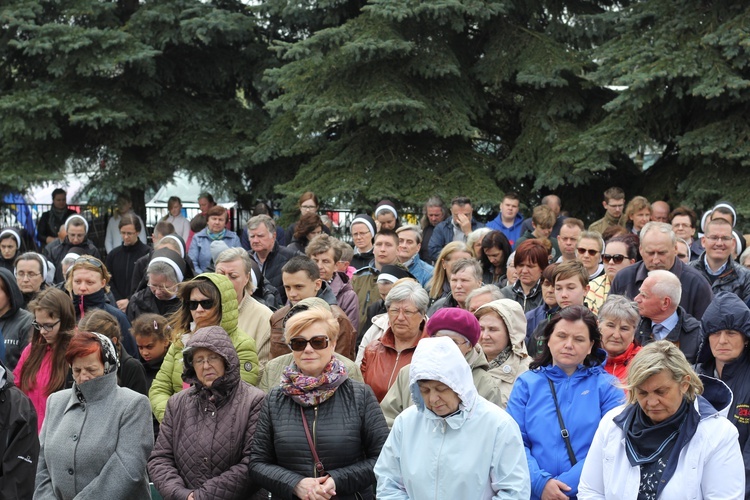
column 584, row 398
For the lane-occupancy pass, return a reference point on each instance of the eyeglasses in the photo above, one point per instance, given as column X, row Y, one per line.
column 23, row 275
column 714, row 238
column 617, row 258
column 211, row 359
column 206, row 304
column 88, row 260
column 395, row 313
column 360, row 235
column 317, row 342
column 591, row 251
column 45, row 326
column 156, row 288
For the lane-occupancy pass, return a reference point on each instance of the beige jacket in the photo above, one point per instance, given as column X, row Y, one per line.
column 255, row 320
column 398, row 397
column 506, row 373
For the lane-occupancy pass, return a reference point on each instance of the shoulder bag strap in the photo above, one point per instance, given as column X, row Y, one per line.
column 318, row 464
column 563, row 431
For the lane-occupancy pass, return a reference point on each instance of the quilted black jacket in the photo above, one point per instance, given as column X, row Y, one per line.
column 349, row 430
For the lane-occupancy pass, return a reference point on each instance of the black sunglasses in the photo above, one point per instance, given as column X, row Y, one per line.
column 591, row 251
column 617, row 258
column 318, row 342
column 88, row 260
column 206, row 304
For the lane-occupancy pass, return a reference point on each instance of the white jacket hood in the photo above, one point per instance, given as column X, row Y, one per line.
column 438, row 358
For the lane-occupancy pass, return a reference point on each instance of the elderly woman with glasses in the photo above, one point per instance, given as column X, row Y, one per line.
column 207, row 300
column 88, row 285
column 164, row 273
column 31, row 270
column 215, row 418
column 406, row 304
column 320, row 432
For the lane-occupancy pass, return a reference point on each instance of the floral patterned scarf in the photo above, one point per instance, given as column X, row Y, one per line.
column 311, row 391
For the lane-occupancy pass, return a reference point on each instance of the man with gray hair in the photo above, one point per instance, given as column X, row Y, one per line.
column 481, row 296
column 661, row 316
column 659, row 252
column 409, row 245
column 266, row 251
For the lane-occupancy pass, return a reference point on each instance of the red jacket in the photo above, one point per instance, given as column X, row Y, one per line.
column 382, row 362
column 618, row 365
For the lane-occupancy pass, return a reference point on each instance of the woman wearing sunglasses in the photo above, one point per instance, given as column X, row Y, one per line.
column 216, row 418
column 619, row 252
column 207, row 300
column 42, row 368
column 88, row 284
column 319, row 433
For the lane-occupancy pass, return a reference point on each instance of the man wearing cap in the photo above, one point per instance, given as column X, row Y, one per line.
column 271, row 376
column 266, row 251
column 463, row 329
column 301, row 279
column 76, row 230
column 365, row 282
column 456, row 227
column 363, row 231
column 409, row 245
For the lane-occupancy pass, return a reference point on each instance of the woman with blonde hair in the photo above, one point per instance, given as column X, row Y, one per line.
column 439, row 286
column 347, row 428
column 671, row 439
column 637, row 214
column 88, row 285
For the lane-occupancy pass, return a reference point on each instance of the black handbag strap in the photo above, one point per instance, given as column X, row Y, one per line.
column 318, row 464
column 563, row 431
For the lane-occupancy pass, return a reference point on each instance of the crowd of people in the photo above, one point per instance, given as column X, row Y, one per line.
column 522, row 358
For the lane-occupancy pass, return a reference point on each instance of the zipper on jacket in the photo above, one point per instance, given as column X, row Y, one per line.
column 390, row 379
column 440, row 452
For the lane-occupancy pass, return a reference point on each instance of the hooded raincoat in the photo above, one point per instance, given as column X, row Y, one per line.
column 205, row 439
column 425, row 454
column 506, row 372
column 729, row 312
column 169, row 379
column 398, row 397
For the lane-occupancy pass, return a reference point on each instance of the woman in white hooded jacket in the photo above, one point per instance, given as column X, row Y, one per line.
column 425, row 454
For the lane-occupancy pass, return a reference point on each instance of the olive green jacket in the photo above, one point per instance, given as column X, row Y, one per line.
column 169, row 379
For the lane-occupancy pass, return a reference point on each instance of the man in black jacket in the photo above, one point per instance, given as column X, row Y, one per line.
column 659, row 251
column 662, row 318
column 266, row 252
